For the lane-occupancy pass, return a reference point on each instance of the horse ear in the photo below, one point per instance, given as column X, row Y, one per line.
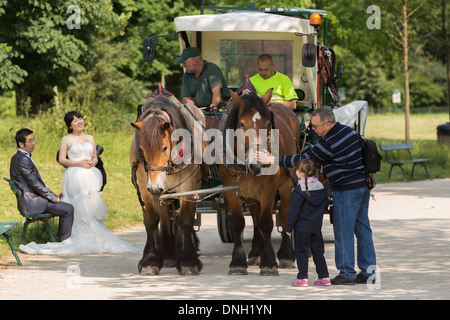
column 165, row 126
column 136, row 125
column 237, row 99
column 268, row 96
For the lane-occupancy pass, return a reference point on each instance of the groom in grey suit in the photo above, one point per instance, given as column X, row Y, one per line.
column 34, row 196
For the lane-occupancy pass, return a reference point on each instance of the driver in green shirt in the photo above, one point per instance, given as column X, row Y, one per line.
column 267, row 78
column 203, row 82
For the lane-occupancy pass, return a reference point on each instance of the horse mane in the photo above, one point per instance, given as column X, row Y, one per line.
column 153, row 118
column 250, row 101
column 160, row 91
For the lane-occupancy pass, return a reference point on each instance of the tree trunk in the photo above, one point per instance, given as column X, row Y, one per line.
column 447, row 50
column 56, row 92
column 405, row 67
column 22, row 101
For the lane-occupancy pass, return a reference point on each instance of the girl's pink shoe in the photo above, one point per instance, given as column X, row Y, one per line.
column 300, row 283
column 322, row 282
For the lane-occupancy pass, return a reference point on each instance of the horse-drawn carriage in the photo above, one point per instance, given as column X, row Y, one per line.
column 174, row 193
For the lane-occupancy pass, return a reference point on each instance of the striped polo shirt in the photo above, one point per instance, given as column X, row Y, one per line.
column 340, row 154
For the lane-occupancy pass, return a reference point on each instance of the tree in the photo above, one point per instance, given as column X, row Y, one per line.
column 104, row 85
column 401, row 31
column 438, row 13
column 362, row 48
column 444, row 15
column 151, row 18
column 49, row 43
column 10, row 74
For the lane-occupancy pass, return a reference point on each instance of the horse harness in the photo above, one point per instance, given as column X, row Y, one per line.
column 243, row 168
column 172, row 165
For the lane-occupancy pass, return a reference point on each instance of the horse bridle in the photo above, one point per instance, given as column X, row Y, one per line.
column 171, row 166
column 260, row 144
column 234, row 167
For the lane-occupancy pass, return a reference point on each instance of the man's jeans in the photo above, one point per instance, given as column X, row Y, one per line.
column 351, row 217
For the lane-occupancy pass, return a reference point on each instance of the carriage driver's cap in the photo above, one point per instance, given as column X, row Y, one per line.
column 187, row 53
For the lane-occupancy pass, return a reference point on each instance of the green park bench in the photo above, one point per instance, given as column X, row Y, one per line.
column 4, row 227
column 407, row 158
column 43, row 217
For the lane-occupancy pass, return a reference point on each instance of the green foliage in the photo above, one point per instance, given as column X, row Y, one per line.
column 389, row 129
column 119, row 194
column 427, row 81
column 10, row 74
column 45, row 47
column 150, row 18
column 105, row 85
column 7, row 105
column 364, row 80
column 104, row 58
column 372, row 61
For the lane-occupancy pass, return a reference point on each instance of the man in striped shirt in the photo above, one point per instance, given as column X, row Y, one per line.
column 339, row 151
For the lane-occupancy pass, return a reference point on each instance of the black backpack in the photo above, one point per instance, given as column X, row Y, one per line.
column 371, row 159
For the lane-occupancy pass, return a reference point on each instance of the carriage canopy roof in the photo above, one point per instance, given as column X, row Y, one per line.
column 242, row 21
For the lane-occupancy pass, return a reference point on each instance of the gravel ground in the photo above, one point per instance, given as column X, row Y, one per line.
column 410, row 223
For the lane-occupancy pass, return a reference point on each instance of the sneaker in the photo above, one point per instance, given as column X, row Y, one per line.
column 322, row 282
column 300, row 283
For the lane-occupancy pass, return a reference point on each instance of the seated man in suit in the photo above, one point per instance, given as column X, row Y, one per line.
column 34, row 196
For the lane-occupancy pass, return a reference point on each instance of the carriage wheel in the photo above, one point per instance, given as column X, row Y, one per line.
column 223, row 219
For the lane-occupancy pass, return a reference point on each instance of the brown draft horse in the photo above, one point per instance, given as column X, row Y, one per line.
column 154, row 173
column 252, row 112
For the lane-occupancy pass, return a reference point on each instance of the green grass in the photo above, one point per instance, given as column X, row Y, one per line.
column 119, row 194
column 390, row 128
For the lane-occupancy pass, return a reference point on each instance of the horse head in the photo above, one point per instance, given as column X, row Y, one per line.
column 253, row 121
column 155, row 145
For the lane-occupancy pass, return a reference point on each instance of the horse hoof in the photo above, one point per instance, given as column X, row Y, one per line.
column 254, row 261
column 169, row 264
column 269, row 272
column 149, row 271
column 285, row 263
column 189, row 271
column 237, row 272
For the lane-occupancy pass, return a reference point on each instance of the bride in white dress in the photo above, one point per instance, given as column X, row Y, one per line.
column 81, row 186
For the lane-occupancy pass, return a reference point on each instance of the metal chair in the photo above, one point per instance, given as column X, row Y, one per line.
column 43, row 217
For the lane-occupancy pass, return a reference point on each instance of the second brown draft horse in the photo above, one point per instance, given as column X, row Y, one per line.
column 252, row 113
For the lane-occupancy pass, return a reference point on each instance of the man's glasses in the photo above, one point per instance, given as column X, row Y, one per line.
column 318, row 126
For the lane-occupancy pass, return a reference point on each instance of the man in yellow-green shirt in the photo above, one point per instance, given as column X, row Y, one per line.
column 267, row 78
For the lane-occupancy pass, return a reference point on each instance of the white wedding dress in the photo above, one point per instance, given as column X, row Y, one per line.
column 80, row 188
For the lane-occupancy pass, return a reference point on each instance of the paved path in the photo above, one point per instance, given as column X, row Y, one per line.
column 411, row 228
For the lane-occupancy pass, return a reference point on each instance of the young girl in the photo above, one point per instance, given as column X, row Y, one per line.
column 308, row 203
